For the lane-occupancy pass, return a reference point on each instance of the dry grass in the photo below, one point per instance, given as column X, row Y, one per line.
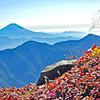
column 26, row 95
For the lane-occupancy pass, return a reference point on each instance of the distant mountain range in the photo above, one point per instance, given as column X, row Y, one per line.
column 14, row 35
column 22, row 65
column 8, row 43
column 14, row 30
column 52, row 40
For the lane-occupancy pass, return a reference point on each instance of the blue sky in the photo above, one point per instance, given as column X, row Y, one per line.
column 49, row 15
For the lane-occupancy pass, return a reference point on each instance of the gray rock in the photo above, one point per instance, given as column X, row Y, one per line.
column 55, row 70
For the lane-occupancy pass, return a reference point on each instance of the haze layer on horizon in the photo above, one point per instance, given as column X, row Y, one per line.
column 49, row 15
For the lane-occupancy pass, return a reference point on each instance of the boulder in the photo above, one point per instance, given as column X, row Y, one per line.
column 55, row 70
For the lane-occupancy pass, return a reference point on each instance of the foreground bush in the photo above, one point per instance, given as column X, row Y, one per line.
column 81, row 82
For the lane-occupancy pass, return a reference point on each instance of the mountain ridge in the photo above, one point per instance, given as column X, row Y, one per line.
column 6, row 42
column 24, row 63
column 14, row 30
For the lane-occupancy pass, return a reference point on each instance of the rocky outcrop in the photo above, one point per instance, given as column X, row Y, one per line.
column 55, row 70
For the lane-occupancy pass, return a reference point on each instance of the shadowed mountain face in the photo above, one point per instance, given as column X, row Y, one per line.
column 23, row 65
column 84, row 43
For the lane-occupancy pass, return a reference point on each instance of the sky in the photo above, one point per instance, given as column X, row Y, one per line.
column 49, row 15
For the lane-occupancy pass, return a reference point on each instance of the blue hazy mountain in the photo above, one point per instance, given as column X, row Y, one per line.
column 22, row 65
column 13, row 35
column 83, row 43
column 13, row 30
column 52, row 40
column 77, row 34
column 6, row 42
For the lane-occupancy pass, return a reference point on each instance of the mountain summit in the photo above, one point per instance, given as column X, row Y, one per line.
column 13, row 26
column 14, row 30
